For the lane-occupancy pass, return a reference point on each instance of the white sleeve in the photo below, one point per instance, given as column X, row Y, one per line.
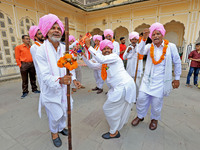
column 116, row 49
column 73, row 72
column 90, row 64
column 101, row 58
column 73, row 44
column 142, row 48
column 176, row 60
column 46, row 77
column 128, row 55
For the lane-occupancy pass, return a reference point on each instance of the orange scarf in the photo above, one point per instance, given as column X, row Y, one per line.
column 96, row 47
column 140, row 57
column 162, row 57
column 36, row 43
column 103, row 71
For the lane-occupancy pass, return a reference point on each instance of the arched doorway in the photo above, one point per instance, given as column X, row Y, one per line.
column 121, row 32
column 175, row 34
column 141, row 27
column 96, row 31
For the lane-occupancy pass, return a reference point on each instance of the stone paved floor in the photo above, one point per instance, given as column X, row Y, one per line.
column 22, row 129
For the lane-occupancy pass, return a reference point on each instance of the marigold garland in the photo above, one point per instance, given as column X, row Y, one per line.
column 103, row 71
column 68, row 62
column 36, row 43
column 162, row 57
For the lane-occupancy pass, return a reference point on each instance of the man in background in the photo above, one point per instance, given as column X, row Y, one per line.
column 25, row 62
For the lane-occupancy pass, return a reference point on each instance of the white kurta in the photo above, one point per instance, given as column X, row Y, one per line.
column 131, row 57
column 33, row 50
column 53, row 95
column 155, row 75
column 116, row 48
column 122, row 92
column 157, row 79
column 97, row 72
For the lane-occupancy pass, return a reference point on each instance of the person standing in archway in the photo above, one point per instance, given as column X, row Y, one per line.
column 122, row 50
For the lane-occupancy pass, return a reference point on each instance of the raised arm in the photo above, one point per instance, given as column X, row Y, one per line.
column 101, row 58
column 92, row 65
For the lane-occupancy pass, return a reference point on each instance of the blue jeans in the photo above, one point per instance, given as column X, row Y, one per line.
column 196, row 72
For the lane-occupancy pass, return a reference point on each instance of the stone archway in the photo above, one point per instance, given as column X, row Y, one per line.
column 96, row 31
column 141, row 27
column 121, row 32
column 175, row 33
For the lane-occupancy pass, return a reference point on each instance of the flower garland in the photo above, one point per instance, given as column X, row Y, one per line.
column 68, row 62
column 140, row 57
column 36, row 43
column 162, row 57
column 103, row 71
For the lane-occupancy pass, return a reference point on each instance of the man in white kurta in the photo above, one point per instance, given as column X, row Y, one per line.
column 97, row 72
column 157, row 80
column 122, row 92
column 108, row 34
column 131, row 55
column 54, row 80
column 36, row 35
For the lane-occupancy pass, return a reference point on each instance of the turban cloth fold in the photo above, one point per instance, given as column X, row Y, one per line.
column 133, row 35
column 157, row 26
column 105, row 43
column 47, row 21
column 32, row 31
column 71, row 37
column 97, row 37
column 108, row 32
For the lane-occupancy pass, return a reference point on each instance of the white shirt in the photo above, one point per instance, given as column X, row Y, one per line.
column 156, row 86
column 51, row 90
column 117, row 77
column 116, row 48
column 131, row 57
column 33, row 50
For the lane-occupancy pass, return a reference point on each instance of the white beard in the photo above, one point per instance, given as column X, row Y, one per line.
column 55, row 39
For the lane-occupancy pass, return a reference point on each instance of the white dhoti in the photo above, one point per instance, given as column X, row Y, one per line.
column 99, row 80
column 117, row 113
column 144, row 100
column 56, row 126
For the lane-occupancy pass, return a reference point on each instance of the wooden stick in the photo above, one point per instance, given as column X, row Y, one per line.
column 136, row 67
column 68, row 87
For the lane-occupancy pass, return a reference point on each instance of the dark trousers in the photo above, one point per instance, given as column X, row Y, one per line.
column 28, row 69
column 196, row 72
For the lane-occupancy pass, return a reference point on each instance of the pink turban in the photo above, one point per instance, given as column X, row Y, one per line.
column 97, row 37
column 133, row 35
column 71, row 37
column 157, row 26
column 32, row 31
column 47, row 21
column 105, row 43
column 108, row 31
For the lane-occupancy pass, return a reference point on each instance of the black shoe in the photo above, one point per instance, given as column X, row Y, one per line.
column 24, row 95
column 107, row 135
column 36, row 91
column 99, row 91
column 57, row 142
column 64, row 132
column 95, row 89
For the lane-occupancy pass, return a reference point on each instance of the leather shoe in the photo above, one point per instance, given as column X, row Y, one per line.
column 64, row 132
column 73, row 89
column 136, row 121
column 95, row 89
column 153, row 124
column 108, row 135
column 99, row 91
column 57, row 142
